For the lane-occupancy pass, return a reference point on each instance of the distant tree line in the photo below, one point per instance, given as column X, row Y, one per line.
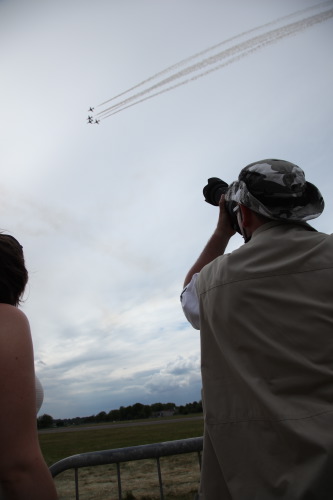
column 132, row 412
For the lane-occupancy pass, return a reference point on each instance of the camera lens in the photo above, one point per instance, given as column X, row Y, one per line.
column 213, row 192
column 214, row 189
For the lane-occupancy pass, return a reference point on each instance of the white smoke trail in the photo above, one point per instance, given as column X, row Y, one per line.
column 199, row 54
column 209, row 49
column 230, row 55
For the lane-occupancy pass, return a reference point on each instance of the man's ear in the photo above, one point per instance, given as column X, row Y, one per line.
column 246, row 215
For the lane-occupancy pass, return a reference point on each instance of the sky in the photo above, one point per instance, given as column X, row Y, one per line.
column 111, row 215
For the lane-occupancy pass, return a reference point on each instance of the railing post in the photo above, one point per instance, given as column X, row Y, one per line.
column 76, row 475
column 160, row 478
column 119, row 481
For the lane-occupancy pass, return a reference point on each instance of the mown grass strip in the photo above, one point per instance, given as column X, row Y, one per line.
column 58, row 445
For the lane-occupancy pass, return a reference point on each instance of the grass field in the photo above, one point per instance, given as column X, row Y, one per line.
column 139, row 479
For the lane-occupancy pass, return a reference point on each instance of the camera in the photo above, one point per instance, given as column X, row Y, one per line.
column 213, row 192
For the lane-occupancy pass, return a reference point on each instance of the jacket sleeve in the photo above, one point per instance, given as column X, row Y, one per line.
column 190, row 303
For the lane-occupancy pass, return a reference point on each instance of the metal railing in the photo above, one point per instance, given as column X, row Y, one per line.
column 120, row 455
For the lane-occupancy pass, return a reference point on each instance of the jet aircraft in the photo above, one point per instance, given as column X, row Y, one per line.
column 91, row 109
column 97, row 121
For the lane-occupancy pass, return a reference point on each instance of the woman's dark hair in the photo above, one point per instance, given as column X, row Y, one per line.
column 13, row 273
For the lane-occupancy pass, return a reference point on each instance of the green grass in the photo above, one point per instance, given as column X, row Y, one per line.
column 58, row 445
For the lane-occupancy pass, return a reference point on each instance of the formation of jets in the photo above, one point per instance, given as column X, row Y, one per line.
column 90, row 118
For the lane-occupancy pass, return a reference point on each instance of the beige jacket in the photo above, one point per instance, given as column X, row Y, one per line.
column 266, row 314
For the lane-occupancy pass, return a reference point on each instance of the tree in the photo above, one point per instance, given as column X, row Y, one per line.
column 101, row 417
column 114, row 415
column 44, row 421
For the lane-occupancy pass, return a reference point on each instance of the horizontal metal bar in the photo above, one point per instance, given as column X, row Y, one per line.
column 128, row 454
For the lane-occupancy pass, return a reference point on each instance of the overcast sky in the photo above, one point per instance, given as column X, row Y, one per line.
column 111, row 215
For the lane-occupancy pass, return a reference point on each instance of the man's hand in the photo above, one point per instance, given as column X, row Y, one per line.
column 224, row 225
column 217, row 243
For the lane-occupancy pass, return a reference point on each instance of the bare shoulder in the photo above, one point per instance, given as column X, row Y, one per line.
column 13, row 320
column 12, row 312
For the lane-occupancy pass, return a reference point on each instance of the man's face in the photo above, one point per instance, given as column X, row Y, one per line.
column 240, row 223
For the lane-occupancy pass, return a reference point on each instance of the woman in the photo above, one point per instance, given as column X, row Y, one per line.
column 24, row 474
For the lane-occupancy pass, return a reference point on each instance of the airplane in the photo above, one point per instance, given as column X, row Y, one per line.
column 97, row 121
column 90, row 119
column 91, row 109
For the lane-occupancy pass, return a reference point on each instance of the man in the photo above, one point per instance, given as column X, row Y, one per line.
column 265, row 312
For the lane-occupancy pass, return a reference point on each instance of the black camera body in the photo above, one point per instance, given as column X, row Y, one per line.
column 213, row 192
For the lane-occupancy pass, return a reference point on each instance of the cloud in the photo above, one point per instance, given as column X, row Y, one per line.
column 98, row 383
column 132, row 353
column 178, row 374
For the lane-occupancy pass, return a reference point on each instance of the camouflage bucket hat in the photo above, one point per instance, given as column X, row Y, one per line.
column 276, row 189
